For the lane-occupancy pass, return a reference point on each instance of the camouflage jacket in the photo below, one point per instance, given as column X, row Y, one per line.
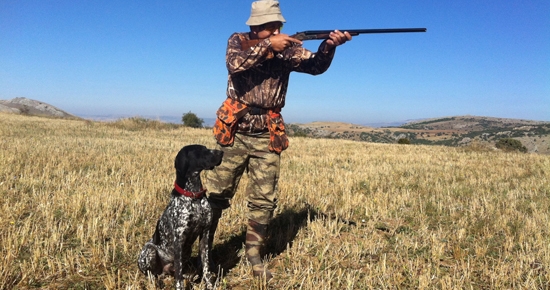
column 257, row 79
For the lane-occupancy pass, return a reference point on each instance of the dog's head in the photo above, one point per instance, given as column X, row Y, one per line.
column 192, row 159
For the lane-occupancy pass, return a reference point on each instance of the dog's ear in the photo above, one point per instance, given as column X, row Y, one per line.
column 181, row 163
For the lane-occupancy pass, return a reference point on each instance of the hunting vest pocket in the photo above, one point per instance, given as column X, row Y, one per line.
column 226, row 122
column 278, row 138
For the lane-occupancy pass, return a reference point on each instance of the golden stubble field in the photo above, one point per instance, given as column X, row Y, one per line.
column 80, row 198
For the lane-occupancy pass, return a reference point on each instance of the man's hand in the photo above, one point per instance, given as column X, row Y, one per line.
column 280, row 42
column 337, row 38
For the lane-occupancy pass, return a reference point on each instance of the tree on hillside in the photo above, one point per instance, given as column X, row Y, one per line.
column 509, row 144
column 191, row 120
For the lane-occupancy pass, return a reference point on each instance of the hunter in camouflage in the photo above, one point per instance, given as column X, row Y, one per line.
column 249, row 128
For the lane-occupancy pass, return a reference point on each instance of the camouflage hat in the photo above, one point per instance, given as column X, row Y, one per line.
column 264, row 12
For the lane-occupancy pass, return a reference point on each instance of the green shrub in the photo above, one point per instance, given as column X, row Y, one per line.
column 509, row 144
column 403, row 141
column 191, row 120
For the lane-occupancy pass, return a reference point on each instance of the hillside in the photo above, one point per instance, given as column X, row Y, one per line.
column 451, row 131
column 448, row 131
column 32, row 107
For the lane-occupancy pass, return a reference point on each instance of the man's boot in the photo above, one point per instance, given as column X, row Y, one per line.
column 255, row 243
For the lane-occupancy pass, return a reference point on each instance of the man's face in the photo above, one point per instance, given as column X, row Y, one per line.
column 269, row 29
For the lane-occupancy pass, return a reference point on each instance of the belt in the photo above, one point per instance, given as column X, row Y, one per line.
column 257, row 111
column 254, row 132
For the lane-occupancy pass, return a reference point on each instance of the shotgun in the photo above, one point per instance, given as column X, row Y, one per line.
column 324, row 34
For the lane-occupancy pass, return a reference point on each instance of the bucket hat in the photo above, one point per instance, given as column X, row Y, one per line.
column 263, row 12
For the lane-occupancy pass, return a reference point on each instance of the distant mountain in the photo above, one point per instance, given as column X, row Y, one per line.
column 37, row 108
column 32, row 107
column 385, row 124
column 448, row 131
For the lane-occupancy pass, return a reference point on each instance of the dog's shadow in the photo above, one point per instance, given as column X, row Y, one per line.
column 282, row 232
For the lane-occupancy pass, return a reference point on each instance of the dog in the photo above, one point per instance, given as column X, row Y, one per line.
column 187, row 217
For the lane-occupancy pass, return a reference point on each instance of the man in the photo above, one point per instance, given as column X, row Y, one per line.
column 250, row 129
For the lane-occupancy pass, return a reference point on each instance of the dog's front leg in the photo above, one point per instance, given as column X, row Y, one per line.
column 208, row 277
column 179, row 242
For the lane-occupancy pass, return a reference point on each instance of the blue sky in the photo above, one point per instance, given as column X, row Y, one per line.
column 165, row 58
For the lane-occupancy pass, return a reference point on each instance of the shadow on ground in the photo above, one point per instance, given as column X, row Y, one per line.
column 282, row 231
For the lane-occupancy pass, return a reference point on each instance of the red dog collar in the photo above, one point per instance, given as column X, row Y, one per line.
column 189, row 193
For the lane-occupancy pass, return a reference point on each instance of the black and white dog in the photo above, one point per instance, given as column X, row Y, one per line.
column 187, row 216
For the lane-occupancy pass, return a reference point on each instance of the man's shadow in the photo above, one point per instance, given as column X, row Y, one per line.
column 282, row 231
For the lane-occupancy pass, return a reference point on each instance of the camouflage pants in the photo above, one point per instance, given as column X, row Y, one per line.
column 250, row 154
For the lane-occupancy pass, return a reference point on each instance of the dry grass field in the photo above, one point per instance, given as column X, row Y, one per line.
column 80, row 198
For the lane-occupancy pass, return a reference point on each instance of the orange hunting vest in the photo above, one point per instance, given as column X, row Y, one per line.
column 229, row 114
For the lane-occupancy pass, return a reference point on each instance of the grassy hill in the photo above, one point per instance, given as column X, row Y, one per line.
column 80, row 198
column 451, row 131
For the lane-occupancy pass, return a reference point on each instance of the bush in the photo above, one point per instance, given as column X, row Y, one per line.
column 403, row 141
column 191, row 120
column 25, row 110
column 509, row 144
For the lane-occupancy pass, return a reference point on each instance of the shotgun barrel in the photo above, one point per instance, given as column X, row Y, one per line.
column 324, row 34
